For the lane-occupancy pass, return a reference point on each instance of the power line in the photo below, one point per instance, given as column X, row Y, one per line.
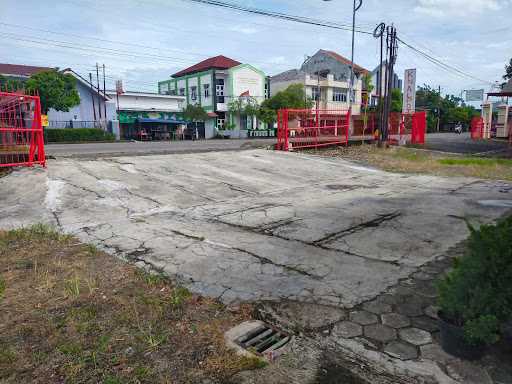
column 279, row 15
column 441, row 64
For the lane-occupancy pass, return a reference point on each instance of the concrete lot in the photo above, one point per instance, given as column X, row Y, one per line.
column 463, row 144
column 257, row 224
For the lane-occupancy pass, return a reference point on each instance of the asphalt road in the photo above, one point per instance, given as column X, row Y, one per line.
column 92, row 150
column 463, row 144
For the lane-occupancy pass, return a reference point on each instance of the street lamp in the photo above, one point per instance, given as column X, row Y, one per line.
column 357, row 5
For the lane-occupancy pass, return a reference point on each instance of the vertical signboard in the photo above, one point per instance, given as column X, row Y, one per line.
column 409, row 102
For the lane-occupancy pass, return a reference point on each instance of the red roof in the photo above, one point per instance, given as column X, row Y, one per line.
column 21, row 70
column 217, row 62
column 344, row 60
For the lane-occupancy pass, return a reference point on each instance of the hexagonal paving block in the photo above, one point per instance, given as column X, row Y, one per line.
column 415, row 336
column 347, row 329
column 409, row 308
column 401, row 350
column 431, row 311
column 380, row 332
column 363, row 317
column 377, row 307
column 395, row 320
column 435, row 353
column 426, row 323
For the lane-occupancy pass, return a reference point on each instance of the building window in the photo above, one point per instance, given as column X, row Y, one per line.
column 172, row 92
column 339, row 95
column 206, row 88
column 182, row 91
column 267, row 96
column 220, row 123
column 193, row 93
column 219, row 89
column 315, row 93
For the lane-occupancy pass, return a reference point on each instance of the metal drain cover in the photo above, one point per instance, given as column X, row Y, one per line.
column 258, row 338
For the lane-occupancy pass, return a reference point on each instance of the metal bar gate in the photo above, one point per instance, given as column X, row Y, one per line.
column 21, row 132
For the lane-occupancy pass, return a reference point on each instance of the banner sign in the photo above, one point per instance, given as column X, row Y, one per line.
column 474, row 95
column 409, row 102
column 44, row 120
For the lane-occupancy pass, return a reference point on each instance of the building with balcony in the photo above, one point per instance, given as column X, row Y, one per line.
column 213, row 84
column 326, row 79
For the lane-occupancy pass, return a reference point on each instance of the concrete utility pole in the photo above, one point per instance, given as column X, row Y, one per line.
column 379, row 33
column 356, row 5
column 98, row 89
column 392, row 48
column 439, row 109
column 92, row 95
column 104, row 94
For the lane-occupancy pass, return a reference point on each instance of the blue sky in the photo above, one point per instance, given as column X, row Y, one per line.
column 143, row 41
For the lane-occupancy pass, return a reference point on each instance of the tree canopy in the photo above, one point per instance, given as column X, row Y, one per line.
column 292, row 97
column 10, row 84
column 508, row 71
column 450, row 108
column 194, row 113
column 56, row 90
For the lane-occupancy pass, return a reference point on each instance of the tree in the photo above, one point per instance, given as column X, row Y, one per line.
column 367, row 84
column 10, row 84
column 195, row 113
column 508, row 71
column 293, row 97
column 56, row 90
column 448, row 109
column 396, row 100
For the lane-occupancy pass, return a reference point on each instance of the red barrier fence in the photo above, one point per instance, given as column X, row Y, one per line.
column 309, row 128
column 477, row 128
column 21, row 133
column 306, row 128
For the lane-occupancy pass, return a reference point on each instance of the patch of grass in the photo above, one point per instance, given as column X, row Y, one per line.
column 80, row 315
column 2, row 288
column 479, row 161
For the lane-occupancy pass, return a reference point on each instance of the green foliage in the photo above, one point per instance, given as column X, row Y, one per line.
column 2, row 287
column 451, row 108
column 292, row 97
column 396, row 100
column 56, row 90
column 10, row 84
column 508, row 71
column 73, row 135
column 195, row 113
column 477, row 293
column 479, row 161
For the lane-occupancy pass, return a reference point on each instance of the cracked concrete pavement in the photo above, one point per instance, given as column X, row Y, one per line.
column 257, row 225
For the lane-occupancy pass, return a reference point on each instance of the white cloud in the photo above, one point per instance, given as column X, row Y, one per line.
column 444, row 8
column 244, row 30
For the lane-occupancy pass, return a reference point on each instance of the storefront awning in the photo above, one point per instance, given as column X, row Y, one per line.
column 212, row 114
column 160, row 121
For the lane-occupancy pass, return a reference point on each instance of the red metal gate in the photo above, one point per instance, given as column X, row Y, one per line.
column 311, row 128
column 21, row 133
column 407, row 127
column 477, row 127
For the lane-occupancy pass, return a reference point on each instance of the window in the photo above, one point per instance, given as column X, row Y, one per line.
column 221, row 120
column 219, row 89
column 315, row 93
column 182, row 91
column 339, row 95
column 193, row 93
column 173, row 92
column 206, row 88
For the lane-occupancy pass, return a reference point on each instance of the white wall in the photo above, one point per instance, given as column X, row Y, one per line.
column 247, row 79
column 207, row 79
column 145, row 102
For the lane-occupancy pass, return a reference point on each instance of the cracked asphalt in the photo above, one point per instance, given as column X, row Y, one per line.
column 257, row 224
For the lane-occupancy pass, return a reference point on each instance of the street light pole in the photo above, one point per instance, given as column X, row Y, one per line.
column 357, row 4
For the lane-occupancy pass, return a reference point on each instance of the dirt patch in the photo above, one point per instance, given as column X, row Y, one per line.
column 412, row 160
column 70, row 313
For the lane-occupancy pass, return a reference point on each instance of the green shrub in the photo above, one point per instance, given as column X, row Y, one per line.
column 477, row 293
column 76, row 135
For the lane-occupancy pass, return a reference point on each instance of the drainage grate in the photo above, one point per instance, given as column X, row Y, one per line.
column 263, row 340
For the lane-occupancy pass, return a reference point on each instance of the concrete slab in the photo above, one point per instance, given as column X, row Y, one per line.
column 256, row 225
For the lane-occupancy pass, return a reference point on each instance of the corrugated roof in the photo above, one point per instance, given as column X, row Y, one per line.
column 217, row 62
column 344, row 60
column 21, row 70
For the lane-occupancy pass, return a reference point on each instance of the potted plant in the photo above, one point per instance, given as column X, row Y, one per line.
column 475, row 298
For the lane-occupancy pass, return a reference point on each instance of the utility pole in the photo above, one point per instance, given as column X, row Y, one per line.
column 98, row 89
column 439, row 109
column 92, row 96
column 104, row 94
column 392, row 48
column 379, row 33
